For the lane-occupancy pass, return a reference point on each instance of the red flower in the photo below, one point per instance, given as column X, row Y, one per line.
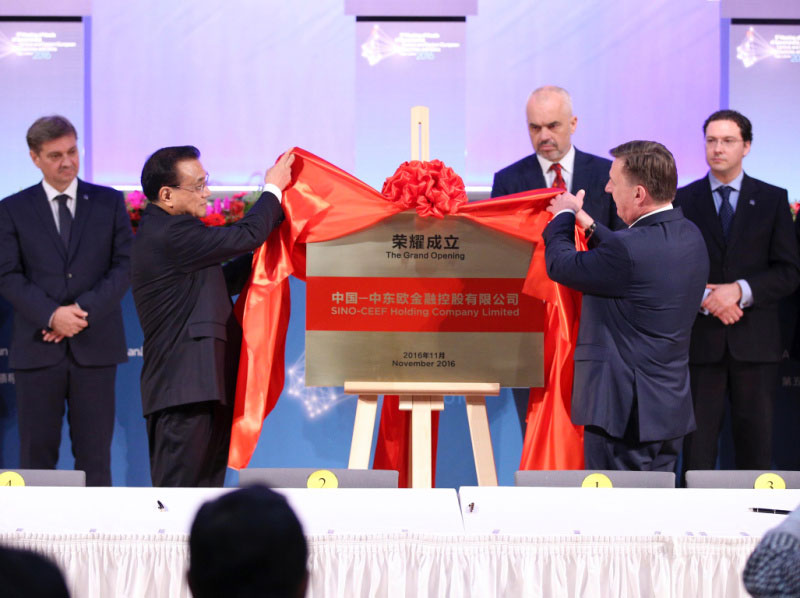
column 237, row 207
column 213, row 220
column 431, row 187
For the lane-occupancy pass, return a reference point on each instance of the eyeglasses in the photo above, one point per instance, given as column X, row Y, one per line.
column 725, row 141
column 194, row 188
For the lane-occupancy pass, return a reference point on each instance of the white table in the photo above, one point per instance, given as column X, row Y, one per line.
column 513, row 542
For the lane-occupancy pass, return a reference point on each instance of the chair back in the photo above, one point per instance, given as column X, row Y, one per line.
column 586, row 478
column 42, row 477
column 309, row 477
column 742, row 478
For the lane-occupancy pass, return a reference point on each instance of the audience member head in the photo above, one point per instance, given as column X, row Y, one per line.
column 247, row 543
column 728, row 137
column 174, row 178
column 53, row 145
column 550, row 122
column 25, row 574
column 643, row 177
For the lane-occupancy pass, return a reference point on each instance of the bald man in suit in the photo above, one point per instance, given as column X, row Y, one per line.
column 557, row 162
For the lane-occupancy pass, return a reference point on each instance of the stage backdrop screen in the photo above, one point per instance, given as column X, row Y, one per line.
column 42, row 72
column 764, row 86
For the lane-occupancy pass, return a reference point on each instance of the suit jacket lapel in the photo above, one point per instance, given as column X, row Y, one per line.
column 45, row 212
column 534, row 175
column 746, row 208
column 82, row 208
column 580, row 175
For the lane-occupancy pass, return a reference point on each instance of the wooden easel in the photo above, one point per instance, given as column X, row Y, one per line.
column 422, row 398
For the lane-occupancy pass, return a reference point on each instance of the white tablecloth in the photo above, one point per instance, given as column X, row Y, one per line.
column 429, row 558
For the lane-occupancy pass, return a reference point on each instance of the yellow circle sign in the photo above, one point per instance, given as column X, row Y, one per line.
column 597, row 480
column 11, row 478
column 770, row 481
column 322, row 478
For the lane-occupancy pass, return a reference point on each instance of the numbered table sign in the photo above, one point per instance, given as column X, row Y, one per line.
column 422, row 300
column 11, row 478
column 322, row 478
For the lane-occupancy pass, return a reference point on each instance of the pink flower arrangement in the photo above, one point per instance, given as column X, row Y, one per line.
column 222, row 211
column 225, row 210
column 135, row 202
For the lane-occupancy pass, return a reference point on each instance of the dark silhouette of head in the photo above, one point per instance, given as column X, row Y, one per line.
column 248, row 543
column 25, row 574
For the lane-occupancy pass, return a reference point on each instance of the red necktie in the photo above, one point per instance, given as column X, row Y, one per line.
column 559, row 180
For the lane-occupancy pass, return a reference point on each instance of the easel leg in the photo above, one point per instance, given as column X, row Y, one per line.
column 363, row 428
column 421, row 442
column 481, row 441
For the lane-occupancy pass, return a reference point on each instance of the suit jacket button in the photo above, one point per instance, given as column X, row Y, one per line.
column 69, row 274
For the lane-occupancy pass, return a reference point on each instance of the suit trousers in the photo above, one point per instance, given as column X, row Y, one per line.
column 603, row 451
column 89, row 394
column 189, row 444
column 751, row 388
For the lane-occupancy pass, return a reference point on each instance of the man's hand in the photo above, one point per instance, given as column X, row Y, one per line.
column 566, row 201
column 723, row 302
column 49, row 336
column 280, row 174
column 68, row 320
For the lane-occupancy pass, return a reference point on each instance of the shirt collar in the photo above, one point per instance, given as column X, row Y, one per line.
column 567, row 162
column 52, row 192
column 664, row 209
column 735, row 184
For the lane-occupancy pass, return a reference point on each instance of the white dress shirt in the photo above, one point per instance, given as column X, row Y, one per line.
column 567, row 168
column 52, row 193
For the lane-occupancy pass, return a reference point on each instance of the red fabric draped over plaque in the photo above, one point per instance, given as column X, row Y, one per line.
column 325, row 203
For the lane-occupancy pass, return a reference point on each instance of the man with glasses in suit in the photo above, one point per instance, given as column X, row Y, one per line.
column 183, row 298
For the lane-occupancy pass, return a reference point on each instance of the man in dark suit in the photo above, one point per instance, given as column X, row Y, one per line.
column 642, row 287
column 735, row 348
column 64, row 267
column 558, row 163
column 183, row 298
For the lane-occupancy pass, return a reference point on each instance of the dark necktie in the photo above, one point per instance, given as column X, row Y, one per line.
column 725, row 210
column 64, row 218
column 559, row 180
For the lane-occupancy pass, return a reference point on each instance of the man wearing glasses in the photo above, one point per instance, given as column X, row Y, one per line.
column 183, row 298
column 736, row 341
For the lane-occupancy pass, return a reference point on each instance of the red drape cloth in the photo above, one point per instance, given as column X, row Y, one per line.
column 325, row 203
